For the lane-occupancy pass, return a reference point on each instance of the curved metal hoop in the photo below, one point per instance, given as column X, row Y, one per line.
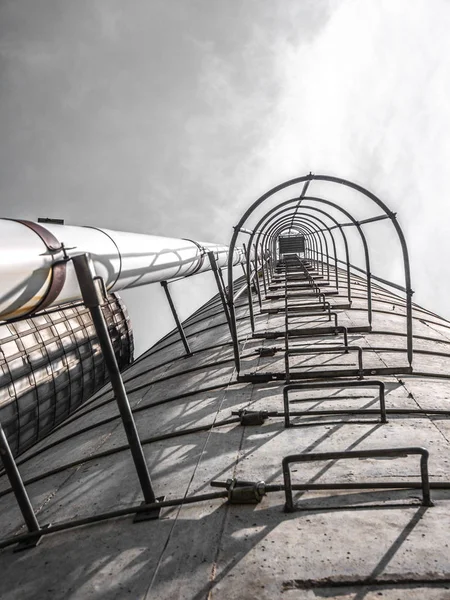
column 299, row 219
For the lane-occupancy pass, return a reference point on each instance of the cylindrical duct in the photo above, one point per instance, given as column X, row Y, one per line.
column 51, row 363
column 35, row 273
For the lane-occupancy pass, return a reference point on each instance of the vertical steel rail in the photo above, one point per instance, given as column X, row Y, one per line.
column 219, row 271
column 245, row 254
column 258, row 287
column 17, row 485
column 93, row 299
column 248, row 268
column 215, row 270
column 286, row 325
column 312, row 227
column 165, row 287
column 264, row 268
column 365, row 247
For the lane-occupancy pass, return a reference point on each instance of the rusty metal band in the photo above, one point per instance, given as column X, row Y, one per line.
column 58, row 269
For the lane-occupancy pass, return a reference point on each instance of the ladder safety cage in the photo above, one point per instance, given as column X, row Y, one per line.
column 293, row 258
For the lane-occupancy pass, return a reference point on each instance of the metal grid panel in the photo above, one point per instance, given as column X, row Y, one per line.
column 51, row 363
column 291, row 244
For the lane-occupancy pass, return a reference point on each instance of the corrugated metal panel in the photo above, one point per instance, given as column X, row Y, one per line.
column 291, row 244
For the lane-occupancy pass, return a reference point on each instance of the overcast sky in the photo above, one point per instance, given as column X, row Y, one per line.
column 171, row 116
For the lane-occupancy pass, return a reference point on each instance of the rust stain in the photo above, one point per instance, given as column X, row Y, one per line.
column 212, row 577
column 31, row 303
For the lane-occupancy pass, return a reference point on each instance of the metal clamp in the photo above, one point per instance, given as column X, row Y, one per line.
column 251, row 417
column 242, row 492
column 267, row 351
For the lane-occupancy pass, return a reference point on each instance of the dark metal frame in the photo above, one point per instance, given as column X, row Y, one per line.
column 93, row 292
column 306, row 180
column 332, row 385
column 325, row 350
column 94, row 295
column 20, row 494
column 374, row 453
column 165, row 287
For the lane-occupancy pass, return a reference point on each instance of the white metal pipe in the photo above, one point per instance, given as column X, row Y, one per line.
column 28, row 273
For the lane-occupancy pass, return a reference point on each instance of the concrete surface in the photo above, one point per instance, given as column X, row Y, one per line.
column 347, row 544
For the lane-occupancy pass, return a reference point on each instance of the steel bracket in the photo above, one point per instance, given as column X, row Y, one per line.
column 31, row 542
column 149, row 515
